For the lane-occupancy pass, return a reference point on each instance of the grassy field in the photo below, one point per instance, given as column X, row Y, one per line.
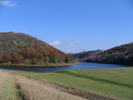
column 17, row 87
column 8, row 88
column 112, row 82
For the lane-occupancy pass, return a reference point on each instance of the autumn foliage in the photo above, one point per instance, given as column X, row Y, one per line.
column 23, row 48
column 117, row 55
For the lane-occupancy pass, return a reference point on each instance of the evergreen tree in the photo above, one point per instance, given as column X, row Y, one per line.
column 68, row 59
column 71, row 57
column 51, row 59
column 54, row 60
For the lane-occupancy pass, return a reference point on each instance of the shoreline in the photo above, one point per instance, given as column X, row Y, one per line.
column 45, row 65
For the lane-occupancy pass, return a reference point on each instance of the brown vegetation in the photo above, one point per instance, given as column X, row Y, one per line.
column 33, row 90
column 37, row 89
column 20, row 48
column 118, row 55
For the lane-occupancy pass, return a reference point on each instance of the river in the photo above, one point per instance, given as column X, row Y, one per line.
column 81, row 65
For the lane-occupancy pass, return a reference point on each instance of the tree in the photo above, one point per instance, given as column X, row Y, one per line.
column 33, row 61
column 6, row 58
column 71, row 57
column 54, row 60
column 67, row 59
column 59, row 61
column 18, row 47
column 51, row 59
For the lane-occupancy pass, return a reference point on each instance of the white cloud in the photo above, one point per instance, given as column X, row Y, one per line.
column 72, row 45
column 95, row 39
column 55, row 43
column 8, row 3
column 78, row 42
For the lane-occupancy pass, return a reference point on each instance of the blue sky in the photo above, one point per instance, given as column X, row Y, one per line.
column 71, row 25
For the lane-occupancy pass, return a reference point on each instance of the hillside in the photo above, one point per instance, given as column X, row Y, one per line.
column 118, row 55
column 16, row 48
column 84, row 54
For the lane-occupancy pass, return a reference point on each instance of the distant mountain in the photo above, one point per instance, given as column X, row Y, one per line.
column 118, row 55
column 22, row 48
column 84, row 55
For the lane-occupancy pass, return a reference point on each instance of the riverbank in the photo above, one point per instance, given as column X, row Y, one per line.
column 128, row 65
column 39, row 65
column 109, row 83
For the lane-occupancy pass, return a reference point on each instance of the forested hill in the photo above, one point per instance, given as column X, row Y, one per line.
column 118, row 55
column 85, row 54
column 22, row 48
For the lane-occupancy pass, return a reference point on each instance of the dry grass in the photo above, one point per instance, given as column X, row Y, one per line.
column 32, row 90
column 37, row 89
column 3, row 76
column 73, row 91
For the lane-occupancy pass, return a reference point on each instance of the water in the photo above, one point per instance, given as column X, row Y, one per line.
column 81, row 65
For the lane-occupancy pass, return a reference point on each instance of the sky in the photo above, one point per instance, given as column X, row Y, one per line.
column 71, row 26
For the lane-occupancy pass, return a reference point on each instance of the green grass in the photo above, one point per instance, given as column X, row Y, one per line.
column 119, row 75
column 9, row 90
column 112, row 82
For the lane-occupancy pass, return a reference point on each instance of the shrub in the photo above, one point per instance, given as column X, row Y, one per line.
column 10, row 63
column 59, row 61
column 44, row 62
column 38, row 63
column 33, row 61
column 4, row 64
column 41, row 62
